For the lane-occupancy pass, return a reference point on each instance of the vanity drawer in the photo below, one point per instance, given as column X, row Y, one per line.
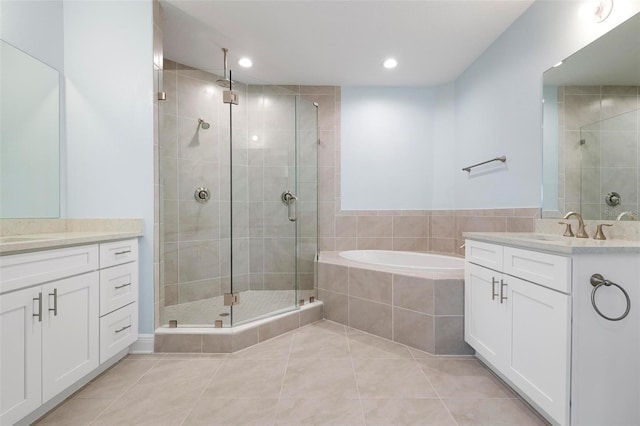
column 118, row 330
column 484, row 254
column 546, row 269
column 27, row 269
column 118, row 287
column 118, row 252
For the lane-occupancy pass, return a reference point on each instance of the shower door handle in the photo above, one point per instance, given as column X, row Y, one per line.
column 291, row 201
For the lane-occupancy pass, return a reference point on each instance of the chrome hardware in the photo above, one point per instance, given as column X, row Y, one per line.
column 55, row 302
column 173, row 323
column 162, row 96
column 599, row 234
column 123, row 329
column 581, row 233
column 493, row 288
column 118, row 253
column 502, row 286
column 231, row 299
column 312, row 299
column 230, row 97
column 39, row 314
column 463, row 246
column 632, row 215
column 202, row 195
column 568, row 232
column 612, row 199
column 301, row 302
column 290, row 200
column 217, row 324
column 502, row 158
column 598, row 281
column 118, row 287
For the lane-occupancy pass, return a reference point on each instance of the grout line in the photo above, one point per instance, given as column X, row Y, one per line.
column 355, row 376
column 284, row 376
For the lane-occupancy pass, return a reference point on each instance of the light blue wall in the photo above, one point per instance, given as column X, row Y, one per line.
column 386, row 160
column 498, row 101
column 109, row 80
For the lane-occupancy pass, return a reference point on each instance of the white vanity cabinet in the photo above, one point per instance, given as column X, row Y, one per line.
column 51, row 322
column 520, row 327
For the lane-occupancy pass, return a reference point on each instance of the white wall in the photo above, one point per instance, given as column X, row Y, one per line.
column 498, row 101
column 109, row 82
column 386, row 151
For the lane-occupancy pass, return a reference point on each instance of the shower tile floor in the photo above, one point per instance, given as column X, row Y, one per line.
column 253, row 305
column 321, row 374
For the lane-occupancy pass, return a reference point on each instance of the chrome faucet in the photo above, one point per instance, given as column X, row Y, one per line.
column 631, row 215
column 581, row 233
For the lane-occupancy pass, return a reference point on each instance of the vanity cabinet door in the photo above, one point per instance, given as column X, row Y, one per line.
column 485, row 318
column 20, row 355
column 70, row 336
column 538, row 355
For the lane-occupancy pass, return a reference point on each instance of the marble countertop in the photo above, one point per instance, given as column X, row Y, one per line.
column 555, row 243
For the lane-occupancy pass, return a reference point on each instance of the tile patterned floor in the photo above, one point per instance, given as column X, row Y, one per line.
column 322, row 374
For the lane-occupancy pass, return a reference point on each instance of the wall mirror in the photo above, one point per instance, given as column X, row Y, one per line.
column 29, row 136
column 591, row 143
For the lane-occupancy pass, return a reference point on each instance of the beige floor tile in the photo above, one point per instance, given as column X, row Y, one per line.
column 419, row 412
column 368, row 346
column 494, row 412
column 319, row 378
column 76, row 412
column 145, row 411
column 233, row 412
column 465, row 378
column 276, row 348
column 117, row 380
column 175, row 378
column 175, row 356
column 391, row 378
column 322, row 327
column 323, row 345
column 152, row 356
column 330, row 411
column 247, row 378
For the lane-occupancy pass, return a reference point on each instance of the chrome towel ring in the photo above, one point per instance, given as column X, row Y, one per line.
column 598, row 281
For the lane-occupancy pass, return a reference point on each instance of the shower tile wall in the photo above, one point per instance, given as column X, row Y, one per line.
column 609, row 118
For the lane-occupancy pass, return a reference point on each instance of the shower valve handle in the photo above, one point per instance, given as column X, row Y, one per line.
column 290, row 200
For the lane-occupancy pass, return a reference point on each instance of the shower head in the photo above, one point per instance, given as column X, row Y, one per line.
column 224, row 81
column 203, row 124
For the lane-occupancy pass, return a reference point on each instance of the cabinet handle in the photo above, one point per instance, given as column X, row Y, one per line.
column 493, row 288
column 118, row 253
column 39, row 314
column 123, row 328
column 502, row 286
column 55, row 302
column 122, row 286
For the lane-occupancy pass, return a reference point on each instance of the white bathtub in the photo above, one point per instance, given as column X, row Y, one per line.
column 406, row 259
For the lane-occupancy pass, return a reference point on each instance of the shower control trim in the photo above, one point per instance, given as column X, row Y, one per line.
column 202, row 195
column 290, row 200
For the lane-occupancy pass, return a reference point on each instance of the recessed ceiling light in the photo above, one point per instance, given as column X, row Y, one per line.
column 245, row 62
column 390, row 63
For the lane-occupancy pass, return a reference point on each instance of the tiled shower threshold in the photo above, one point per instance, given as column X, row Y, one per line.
column 232, row 339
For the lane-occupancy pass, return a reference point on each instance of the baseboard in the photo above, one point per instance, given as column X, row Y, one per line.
column 144, row 344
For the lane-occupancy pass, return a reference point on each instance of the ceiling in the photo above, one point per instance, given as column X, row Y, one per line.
column 337, row 42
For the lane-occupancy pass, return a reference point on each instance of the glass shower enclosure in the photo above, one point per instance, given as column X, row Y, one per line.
column 238, row 198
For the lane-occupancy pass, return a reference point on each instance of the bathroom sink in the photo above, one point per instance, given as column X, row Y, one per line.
column 539, row 237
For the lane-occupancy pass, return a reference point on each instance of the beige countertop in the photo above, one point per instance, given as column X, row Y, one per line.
column 555, row 243
column 23, row 235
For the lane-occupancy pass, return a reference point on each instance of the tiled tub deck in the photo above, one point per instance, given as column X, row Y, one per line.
column 421, row 309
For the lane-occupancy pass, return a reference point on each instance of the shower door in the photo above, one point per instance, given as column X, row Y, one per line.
column 272, row 208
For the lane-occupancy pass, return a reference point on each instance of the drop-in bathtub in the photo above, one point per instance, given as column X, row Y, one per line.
column 409, row 297
column 406, row 259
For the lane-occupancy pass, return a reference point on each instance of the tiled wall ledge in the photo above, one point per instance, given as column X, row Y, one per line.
column 48, row 226
column 423, row 313
column 227, row 340
column 420, row 230
column 623, row 230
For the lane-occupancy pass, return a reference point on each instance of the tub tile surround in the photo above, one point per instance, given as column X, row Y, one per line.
column 419, row 309
column 271, row 383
